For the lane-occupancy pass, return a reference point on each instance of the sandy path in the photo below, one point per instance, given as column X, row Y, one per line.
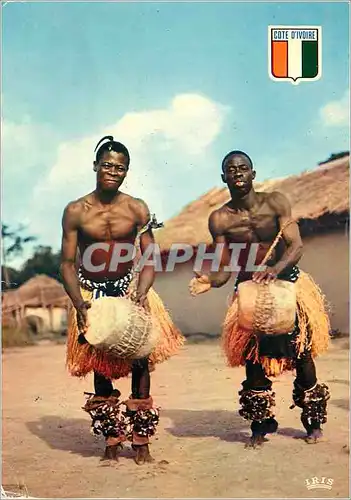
column 47, row 445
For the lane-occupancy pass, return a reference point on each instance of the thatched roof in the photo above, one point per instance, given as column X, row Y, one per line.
column 314, row 195
column 40, row 291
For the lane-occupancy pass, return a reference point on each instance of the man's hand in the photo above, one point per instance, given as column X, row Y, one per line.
column 200, row 284
column 139, row 297
column 82, row 316
column 269, row 275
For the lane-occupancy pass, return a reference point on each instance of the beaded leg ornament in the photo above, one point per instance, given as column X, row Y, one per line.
column 109, row 417
column 313, row 403
column 144, row 418
column 145, row 422
column 256, row 405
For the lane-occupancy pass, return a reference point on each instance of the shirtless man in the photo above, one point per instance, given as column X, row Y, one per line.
column 256, row 217
column 110, row 216
column 104, row 215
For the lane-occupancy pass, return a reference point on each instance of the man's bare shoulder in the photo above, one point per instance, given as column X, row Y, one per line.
column 278, row 201
column 76, row 207
column 219, row 213
column 218, row 217
column 140, row 209
column 135, row 203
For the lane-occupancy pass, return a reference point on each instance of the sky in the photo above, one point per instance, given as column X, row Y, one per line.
column 180, row 84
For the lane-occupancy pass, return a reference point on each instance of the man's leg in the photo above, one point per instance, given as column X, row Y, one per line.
column 102, row 385
column 257, row 400
column 140, row 379
column 109, row 397
column 140, row 407
column 104, row 410
column 311, row 396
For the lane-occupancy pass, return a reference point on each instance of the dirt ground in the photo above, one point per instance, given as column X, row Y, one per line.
column 47, row 447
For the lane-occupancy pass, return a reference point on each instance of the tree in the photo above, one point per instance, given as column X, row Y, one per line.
column 43, row 261
column 335, row 156
column 11, row 277
column 13, row 243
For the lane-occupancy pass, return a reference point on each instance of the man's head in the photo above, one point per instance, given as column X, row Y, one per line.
column 111, row 164
column 238, row 172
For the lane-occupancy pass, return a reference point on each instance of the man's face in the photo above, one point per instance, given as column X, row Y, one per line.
column 111, row 170
column 238, row 174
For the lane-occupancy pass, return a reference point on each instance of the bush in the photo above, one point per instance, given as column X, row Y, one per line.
column 15, row 337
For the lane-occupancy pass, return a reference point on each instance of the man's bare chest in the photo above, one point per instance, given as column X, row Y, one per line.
column 108, row 224
column 251, row 226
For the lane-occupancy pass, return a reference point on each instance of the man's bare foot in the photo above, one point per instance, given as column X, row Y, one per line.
column 315, row 437
column 112, row 452
column 256, row 441
column 142, row 454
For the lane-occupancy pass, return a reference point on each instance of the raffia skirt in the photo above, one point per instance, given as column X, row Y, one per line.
column 82, row 359
column 312, row 331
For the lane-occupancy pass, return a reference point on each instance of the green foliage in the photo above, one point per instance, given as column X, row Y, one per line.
column 13, row 241
column 335, row 156
column 43, row 260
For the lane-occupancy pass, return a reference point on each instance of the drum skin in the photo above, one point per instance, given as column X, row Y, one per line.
column 267, row 308
column 118, row 326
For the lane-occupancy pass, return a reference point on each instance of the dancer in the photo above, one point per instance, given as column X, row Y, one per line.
column 110, row 216
column 265, row 219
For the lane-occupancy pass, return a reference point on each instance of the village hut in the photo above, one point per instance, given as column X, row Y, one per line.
column 41, row 302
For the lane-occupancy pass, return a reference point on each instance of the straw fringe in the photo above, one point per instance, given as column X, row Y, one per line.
column 313, row 315
column 81, row 359
column 172, row 339
column 239, row 344
column 274, row 367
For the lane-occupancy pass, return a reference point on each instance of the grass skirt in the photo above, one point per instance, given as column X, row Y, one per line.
column 82, row 359
column 313, row 334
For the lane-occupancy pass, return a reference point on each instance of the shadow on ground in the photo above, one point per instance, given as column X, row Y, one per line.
column 338, row 381
column 72, row 435
column 67, row 434
column 222, row 424
column 341, row 403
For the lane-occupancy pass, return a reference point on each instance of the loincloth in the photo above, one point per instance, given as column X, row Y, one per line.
column 277, row 353
column 83, row 358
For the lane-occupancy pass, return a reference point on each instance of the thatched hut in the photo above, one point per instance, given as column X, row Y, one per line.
column 320, row 202
column 41, row 300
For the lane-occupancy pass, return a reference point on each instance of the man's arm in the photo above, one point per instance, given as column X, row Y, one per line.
column 202, row 283
column 147, row 273
column 220, row 277
column 291, row 236
column 69, row 254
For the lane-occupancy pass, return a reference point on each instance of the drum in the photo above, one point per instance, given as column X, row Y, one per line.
column 267, row 308
column 121, row 328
